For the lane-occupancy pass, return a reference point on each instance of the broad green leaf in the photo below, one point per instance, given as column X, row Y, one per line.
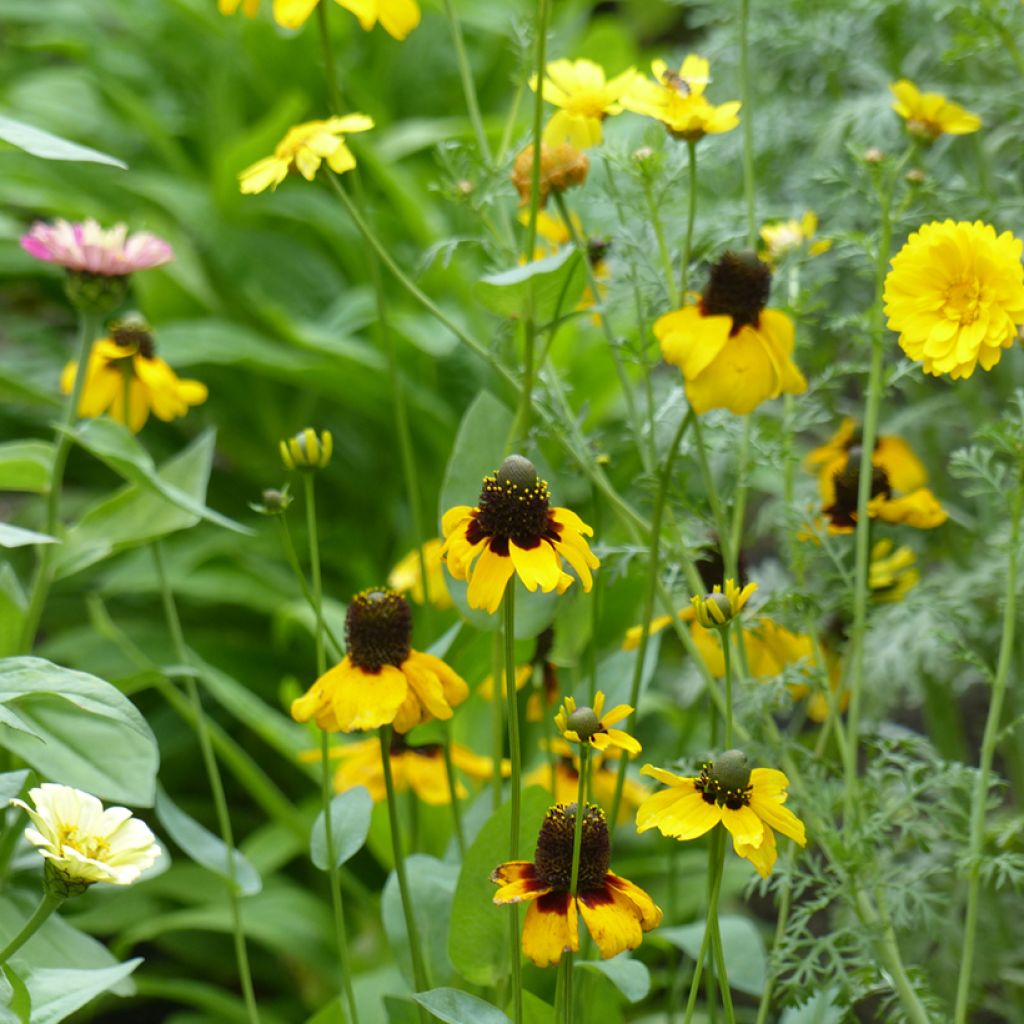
column 11, row 785
column 204, row 847
column 87, row 733
column 25, row 466
column 478, row 938
column 15, row 1002
column 51, row 147
column 557, row 282
column 629, row 976
column 57, row 992
column 12, row 610
column 114, row 444
column 350, row 821
column 18, row 537
column 455, row 1007
column 742, row 944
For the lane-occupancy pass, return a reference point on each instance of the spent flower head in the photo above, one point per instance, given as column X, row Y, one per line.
column 562, row 166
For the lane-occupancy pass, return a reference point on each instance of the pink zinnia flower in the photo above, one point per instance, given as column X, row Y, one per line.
column 89, row 248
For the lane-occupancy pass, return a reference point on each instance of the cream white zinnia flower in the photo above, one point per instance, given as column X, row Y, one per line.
column 84, row 843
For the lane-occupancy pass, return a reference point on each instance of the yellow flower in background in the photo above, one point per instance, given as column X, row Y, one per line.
column 397, row 17
column 406, row 577
column 717, row 608
column 513, row 530
column 593, row 726
column 585, row 98
column 547, row 696
column 125, row 367
column 733, row 353
column 381, row 680
column 615, row 911
column 249, row 7
column 955, row 296
column 84, row 843
column 304, row 148
column 676, row 98
column 892, row 572
column 898, row 494
column 929, row 114
column 748, row 802
column 631, row 640
column 307, row 450
column 786, row 236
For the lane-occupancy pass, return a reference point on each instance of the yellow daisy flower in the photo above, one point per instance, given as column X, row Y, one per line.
column 748, row 802
column 585, row 98
column 676, row 98
column 381, row 680
column 717, row 608
column 514, row 530
column 406, row 577
column 397, row 17
column 785, row 236
column 955, row 296
column 304, row 148
column 733, row 353
column 898, row 494
column 615, row 911
column 929, row 114
column 125, row 379
column 593, row 726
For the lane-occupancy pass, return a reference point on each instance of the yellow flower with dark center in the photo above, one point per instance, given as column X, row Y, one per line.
column 407, row 576
column 420, row 768
column 676, row 98
column 562, row 166
column 748, row 802
column 381, row 680
column 718, row 608
column 304, row 148
column 892, row 572
column 615, row 911
column 306, row 450
column 397, row 17
column 593, row 726
column 929, row 114
column 585, row 98
column 734, row 354
column 785, row 236
column 127, row 380
column 898, row 494
column 955, row 296
column 513, row 530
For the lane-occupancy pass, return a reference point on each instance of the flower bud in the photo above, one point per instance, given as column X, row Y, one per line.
column 307, row 451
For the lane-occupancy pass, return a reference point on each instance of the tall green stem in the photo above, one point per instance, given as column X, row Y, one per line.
column 330, row 73
column 47, row 905
column 691, row 219
column 468, row 85
column 988, row 746
column 515, row 756
column 659, row 235
column 220, row 802
column 577, row 845
column 89, row 328
column 453, row 791
column 716, row 865
column 748, row 123
column 726, row 636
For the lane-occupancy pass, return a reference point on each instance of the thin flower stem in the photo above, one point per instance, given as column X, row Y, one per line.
column 468, row 84
column 220, row 802
column 716, row 864
column 785, row 901
column 314, row 568
column 515, row 756
column 691, row 219
column 47, row 905
column 739, row 507
column 717, row 511
column 419, row 969
column 330, row 74
column 726, row 636
column 497, row 725
column 453, row 791
column 989, row 741
column 659, row 234
column 653, row 568
column 89, row 327
column 577, row 845
column 748, row 123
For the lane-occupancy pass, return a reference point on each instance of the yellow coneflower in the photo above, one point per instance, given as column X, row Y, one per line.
column 593, row 727
column 538, row 703
column 407, row 576
column 892, row 572
column 929, row 114
column 785, row 236
column 719, row 607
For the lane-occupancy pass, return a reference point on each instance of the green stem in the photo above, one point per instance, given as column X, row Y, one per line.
column 748, row 123
column 716, row 865
column 691, row 219
column 314, row 568
column 764, row 1007
column 293, row 561
column 577, row 845
column 47, row 905
column 653, row 567
column 725, row 635
column 220, row 802
column 717, row 510
column 330, row 74
column 468, row 84
column 453, row 791
column 988, row 747
column 739, row 507
column 497, row 730
column 515, row 755
column 419, row 969
column 89, row 328
column 659, row 234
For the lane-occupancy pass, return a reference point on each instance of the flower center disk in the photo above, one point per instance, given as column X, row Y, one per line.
column 726, row 780
column 738, row 287
column 553, row 857
column 513, row 506
column 378, row 629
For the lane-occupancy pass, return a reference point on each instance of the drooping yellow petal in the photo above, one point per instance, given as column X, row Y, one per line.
column 551, row 929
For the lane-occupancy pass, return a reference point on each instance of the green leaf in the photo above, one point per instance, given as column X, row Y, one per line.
column 455, row 1007
column 86, row 732
column 821, row 1009
column 116, row 446
column 478, row 937
column 18, row 537
column 15, row 1001
column 350, row 824
column 204, row 847
column 557, row 283
column 741, row 943
column 11, row 785
column 629, row 976
column 12, row 610
column 26, row 466
column 51, row 147
column 57, row 992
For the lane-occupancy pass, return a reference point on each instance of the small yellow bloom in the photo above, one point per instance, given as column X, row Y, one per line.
column 250, row 8
column 955, row 295
column 748, row 802
column 84, row 843
column 304, row 148
column 124, row 371
column 585, row 98
column 929, row 114
column 397, row 17
column 786, row 236
column 676, row 98
column 546, row 695
column 406, row 577
column 631, row 640
column 892, row 573
column 718, row 608
column 306, row 450
column 593, row 726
